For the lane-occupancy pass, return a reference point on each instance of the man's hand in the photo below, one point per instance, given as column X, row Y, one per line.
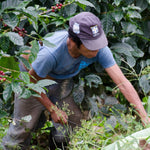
column 145, row 121
column 128, row 91
column 58, row 115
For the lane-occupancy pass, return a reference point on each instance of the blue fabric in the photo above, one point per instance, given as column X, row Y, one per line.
column 57, row 62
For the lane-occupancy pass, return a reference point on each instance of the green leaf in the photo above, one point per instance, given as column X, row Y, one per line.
column 26, row 118
column 24, row 48
column 131, row 7
column 3, row 113
column 45, row 82
column 148, row 62
column 10, row 64
column 42, row 21
column 59, row 22
column 93, row 105
column 111, row 123
column 134, row 14
column 32, row 16
column 31, row 13
column 4, row 43
column 25, row 62
column 93, row 80
column 117, row 57
column 137, row 52
column 144, row 83
column 120, row 107
column 25, row 94
column 97, row 6
column 78, row 92
column 36, row 87
column 107, row 22
column 25, row 77
column 49, row 35
column 128, row 27
column 48, row 44
column 117, row 2
column 109, row 100
column 70, row 9
column 142, row 4
column 148, row 2
column 11, row 19
column 34, row 51
column 122, row 48
column 24, row 4
column 117, row 15
column 7, row 92
column 9, row 4
column 16, row 87
column 86, row 3
column 34, row 22
column 142, row 64
column 35, row 47
column 131, row 61
column 15, row 38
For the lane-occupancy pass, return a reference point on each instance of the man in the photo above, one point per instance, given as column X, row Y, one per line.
column 83, row 44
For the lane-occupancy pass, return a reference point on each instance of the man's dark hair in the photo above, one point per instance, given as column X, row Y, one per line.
column 75, row 38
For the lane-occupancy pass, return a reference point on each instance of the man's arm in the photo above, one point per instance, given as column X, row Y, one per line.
column 128, row 91
column 57, row 115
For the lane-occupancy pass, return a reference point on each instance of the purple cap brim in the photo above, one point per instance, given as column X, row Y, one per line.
column 96, row 44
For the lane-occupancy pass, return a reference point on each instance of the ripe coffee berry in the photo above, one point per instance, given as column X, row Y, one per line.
column 1, row 78
column 53, row 7
column 4, row 79
column 2, row 73
column 21, row 32
column 59, row 7
column 5, row 25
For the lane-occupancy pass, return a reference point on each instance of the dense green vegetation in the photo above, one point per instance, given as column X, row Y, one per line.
column 127, row 26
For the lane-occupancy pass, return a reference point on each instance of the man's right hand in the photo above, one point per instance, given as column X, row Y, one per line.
column 59, row 116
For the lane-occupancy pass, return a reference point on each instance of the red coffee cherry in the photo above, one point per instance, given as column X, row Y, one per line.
column 5, row 25
column 4, row 79
column 20, row 33
column 2, row 73
column 53, row 7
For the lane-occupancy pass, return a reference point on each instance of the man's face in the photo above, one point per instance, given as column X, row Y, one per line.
column 86, row 52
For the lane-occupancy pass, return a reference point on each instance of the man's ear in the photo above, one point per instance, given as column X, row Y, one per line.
column 71, row 42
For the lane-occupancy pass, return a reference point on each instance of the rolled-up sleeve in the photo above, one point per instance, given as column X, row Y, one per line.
column 43, row 63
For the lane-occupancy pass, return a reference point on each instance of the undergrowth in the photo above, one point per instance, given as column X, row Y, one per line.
column 96, row 133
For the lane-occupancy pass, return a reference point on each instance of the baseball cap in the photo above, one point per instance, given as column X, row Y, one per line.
column 89, row 29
